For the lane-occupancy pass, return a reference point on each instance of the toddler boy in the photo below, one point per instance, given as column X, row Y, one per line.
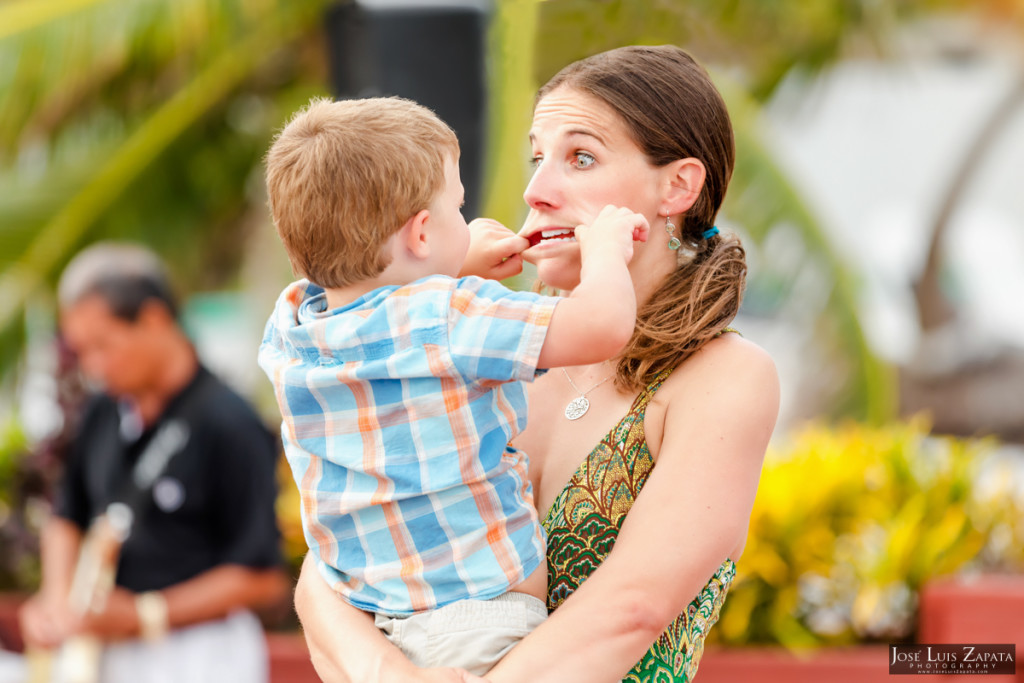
column 400, row 384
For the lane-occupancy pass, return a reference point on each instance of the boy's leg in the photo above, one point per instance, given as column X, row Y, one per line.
column 469, row 634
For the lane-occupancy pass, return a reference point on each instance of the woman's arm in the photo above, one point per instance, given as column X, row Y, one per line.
column 344, row 644
column 691, row 515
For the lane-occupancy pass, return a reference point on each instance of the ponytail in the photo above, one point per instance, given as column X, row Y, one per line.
column 693, row 306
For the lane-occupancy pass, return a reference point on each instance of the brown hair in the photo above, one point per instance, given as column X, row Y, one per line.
column 673, row 111
column 343, row 177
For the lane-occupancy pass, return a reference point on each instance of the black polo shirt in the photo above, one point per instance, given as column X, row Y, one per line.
column 213, row 502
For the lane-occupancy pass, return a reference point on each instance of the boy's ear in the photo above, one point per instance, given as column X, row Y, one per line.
column 413, row 234
column 684, row 182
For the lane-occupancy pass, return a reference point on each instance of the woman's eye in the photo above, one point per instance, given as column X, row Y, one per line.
column 583, row 160
column 535, row 160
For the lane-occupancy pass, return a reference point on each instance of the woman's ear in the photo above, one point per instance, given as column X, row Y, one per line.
column 684, row 183
column 413, row 235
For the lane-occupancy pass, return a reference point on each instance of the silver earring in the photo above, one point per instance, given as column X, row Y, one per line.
column 673, row 242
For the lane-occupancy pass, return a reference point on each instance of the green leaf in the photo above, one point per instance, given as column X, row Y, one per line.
column 65, row 231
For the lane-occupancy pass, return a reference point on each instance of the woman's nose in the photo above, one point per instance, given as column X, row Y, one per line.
column 542, row 191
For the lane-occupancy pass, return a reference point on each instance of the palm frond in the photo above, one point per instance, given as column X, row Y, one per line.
column 132, row 139
column 121, row 56
column 23, row 15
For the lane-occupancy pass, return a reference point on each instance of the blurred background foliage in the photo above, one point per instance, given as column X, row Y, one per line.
column 148, row 119
column 17, row 567
column 145, row 119
column 850, row 522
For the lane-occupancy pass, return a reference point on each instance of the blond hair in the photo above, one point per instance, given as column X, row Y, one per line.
column 673, row 111
column 343, row 177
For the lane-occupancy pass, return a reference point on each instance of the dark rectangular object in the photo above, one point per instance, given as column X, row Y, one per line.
column 431, row 52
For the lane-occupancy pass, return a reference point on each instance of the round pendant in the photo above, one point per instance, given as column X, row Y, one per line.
column 674, row 243
column 577, row 408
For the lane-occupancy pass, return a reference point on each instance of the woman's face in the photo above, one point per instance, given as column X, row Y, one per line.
column 584, row 159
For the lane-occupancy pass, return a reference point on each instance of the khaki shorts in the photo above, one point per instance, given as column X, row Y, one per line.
column 469, row 634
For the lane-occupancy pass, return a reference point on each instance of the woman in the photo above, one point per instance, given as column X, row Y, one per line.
column 680, row 420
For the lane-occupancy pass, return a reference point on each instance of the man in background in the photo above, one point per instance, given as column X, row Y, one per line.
column 194, row 467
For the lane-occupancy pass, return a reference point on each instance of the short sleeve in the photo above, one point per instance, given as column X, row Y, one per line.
column 70, row 501
column 496, row 333
column 71, row 496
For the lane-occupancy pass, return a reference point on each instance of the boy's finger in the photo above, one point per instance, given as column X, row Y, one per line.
column 513, row 265
column 511, row 245
column 484, row 223
column 640, row 232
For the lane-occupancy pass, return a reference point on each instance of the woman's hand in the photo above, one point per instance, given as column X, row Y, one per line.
column 344, row 645
column 494, row 250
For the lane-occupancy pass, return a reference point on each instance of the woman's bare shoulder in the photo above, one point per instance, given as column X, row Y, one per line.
column 726, row 362
column 729, row 388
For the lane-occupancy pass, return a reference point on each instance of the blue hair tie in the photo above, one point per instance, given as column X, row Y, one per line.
column 710, row 232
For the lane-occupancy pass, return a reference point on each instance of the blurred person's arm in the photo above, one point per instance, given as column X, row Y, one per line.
column 344, row 644
column 211, row 595
column 46, row 618
column 222, row 590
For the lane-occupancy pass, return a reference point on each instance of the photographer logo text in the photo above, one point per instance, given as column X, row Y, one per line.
column 961, row 658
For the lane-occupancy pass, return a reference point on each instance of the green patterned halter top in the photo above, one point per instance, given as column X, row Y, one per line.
column 582, row 526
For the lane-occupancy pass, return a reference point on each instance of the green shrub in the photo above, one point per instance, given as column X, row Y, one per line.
column 19, row 559
column 849, row 522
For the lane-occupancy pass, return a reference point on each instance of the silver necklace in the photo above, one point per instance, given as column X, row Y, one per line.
column 578, row 407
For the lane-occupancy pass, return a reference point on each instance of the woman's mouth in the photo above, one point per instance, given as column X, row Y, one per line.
column 561, row 235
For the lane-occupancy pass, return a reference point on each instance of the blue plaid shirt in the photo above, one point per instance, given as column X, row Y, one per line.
column 397, row 411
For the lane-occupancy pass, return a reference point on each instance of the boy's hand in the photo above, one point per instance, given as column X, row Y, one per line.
column 494, row 250
column 614, row 228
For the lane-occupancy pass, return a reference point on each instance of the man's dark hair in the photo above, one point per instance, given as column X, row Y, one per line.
column 124, row 275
